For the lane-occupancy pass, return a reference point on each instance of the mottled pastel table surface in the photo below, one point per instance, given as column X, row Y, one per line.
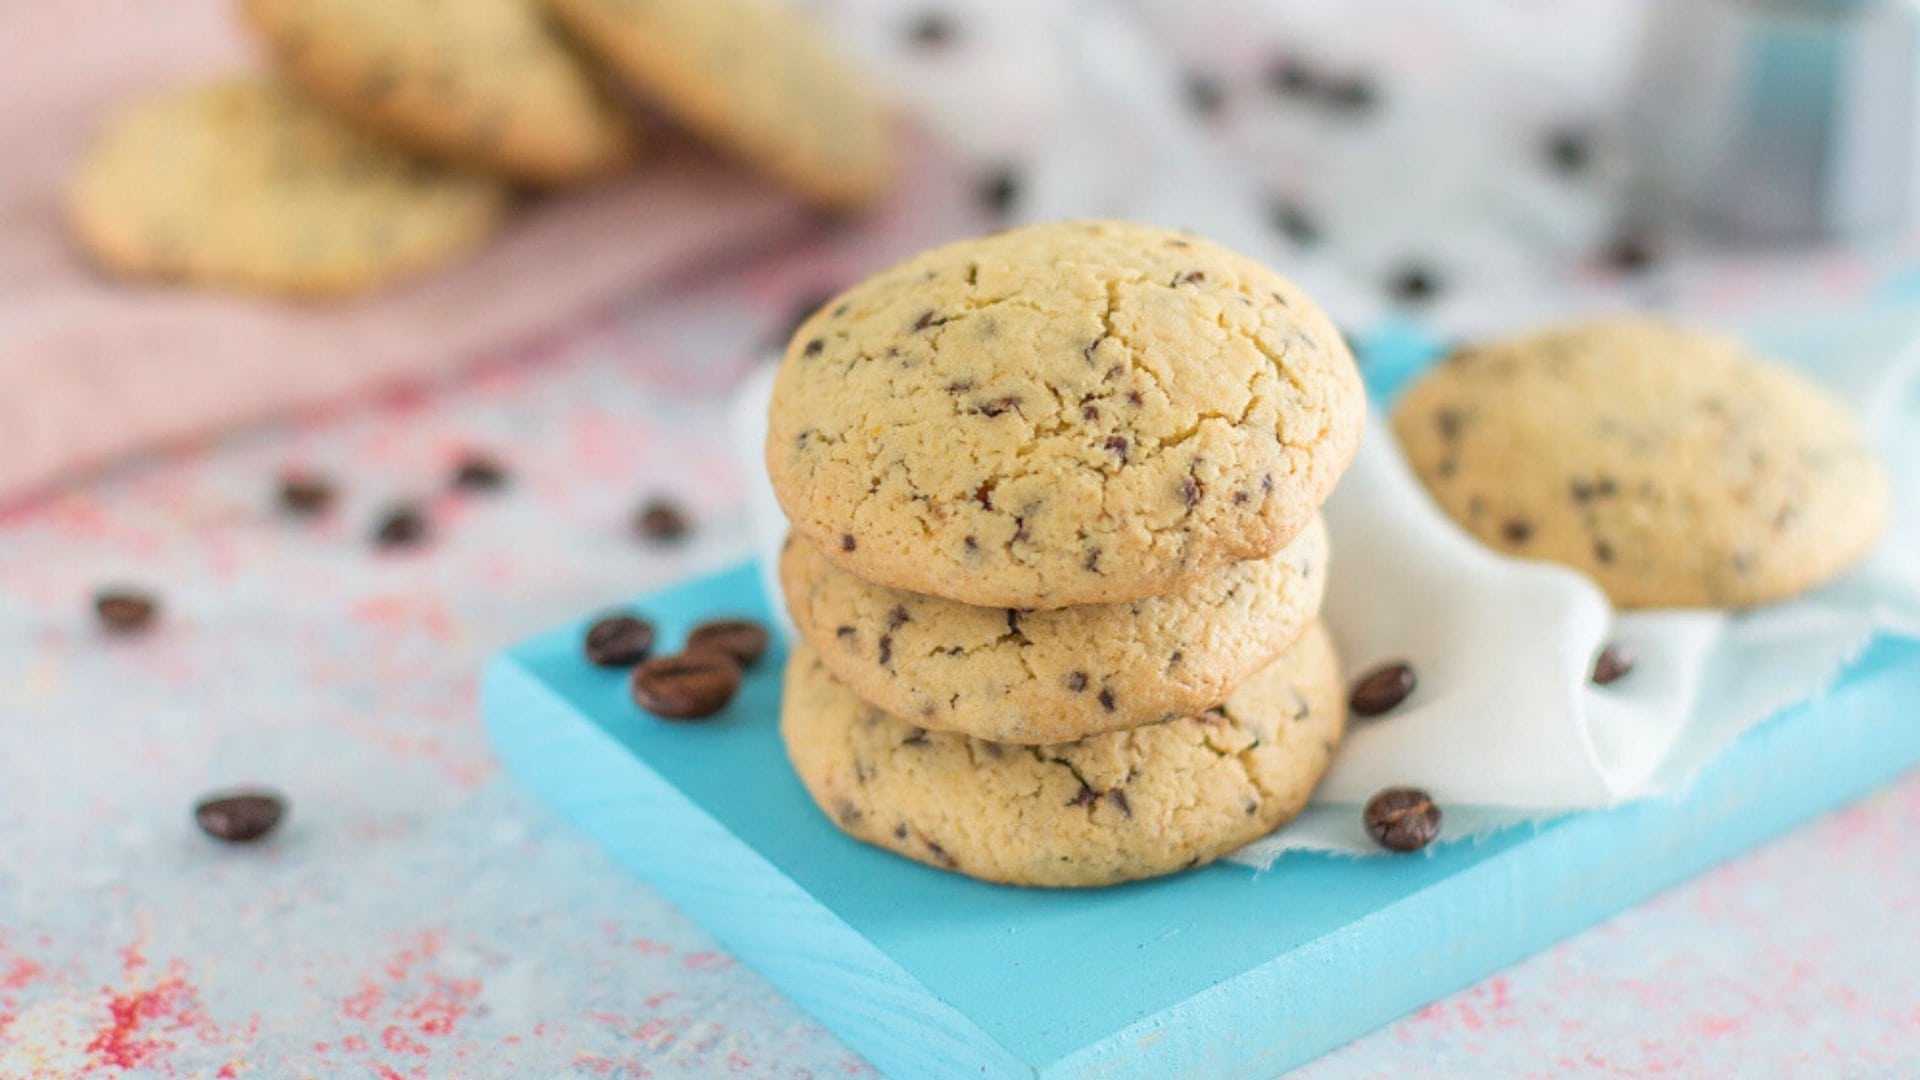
column 420, row 916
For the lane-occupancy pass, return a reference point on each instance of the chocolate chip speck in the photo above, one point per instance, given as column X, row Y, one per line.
column 814, row 347
column 847, row 542
column 1119, row 800
column 1516, row 531
column 1106, row 700
column 1077, row 681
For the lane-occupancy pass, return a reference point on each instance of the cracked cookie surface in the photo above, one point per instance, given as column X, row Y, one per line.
column 1669, row 465
column 1054, row 676
column 246, row 182
column 753, row 78
column 483, row 83
column 1106, row 809
column 1073, row 413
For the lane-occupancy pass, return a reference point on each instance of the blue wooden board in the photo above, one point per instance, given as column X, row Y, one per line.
column 1217, row 972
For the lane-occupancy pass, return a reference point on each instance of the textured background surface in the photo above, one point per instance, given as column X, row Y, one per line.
column 420, row 916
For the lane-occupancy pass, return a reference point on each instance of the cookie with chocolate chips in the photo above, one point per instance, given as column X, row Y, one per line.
column 1106, row 809
column 483, row 83
column 752, row 78
column 245, row 182
column 1084, row 412
column 1061, row 674
column 1671, row 466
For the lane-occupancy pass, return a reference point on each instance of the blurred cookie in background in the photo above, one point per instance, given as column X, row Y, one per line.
column 1670, row 465
column 484, row 83
column 245, row 182
column 752, row 78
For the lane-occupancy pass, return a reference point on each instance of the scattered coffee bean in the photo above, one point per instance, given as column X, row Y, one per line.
column 999, row 190
column 1569, row 150
column 1380, row 690
column 686, row 686
column 1630, row 253
column 1351, row 94
column 661, row 521
column 239, row 817
column 931, row 30
column 619, row 641
column 1203, row 94
column 1614, row 661
column 403, row 525
column 1402, row 819
column 304, row 493
column 478, row 472
column 124, row 610
column 1413, row 284
column 740, row 639
column 1291, row 77
column 1291, row 221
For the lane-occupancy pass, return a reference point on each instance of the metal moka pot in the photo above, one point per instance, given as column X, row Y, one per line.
column 1772, row 121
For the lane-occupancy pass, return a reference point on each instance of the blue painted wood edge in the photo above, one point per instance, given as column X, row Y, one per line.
column 1576, row 872
column 757, row 912
column 1281, row 1011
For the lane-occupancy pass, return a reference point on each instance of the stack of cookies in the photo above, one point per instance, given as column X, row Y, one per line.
column 1056, row 561
column 392, row 136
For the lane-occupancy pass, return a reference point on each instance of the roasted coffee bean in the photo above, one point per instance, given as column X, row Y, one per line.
column 1630, row 253
column 930, row 30
column 1402, row 819
column 661, row 521
column 125, row 611
column 1381, row 689
column 478, row 472
column 1413, row 284
column 403, row 525
column 1613, row 662
column 239, row 816
column 304, row 493
column 740, row 639
column 686, row 686
column 999, row 190
column 619, row 641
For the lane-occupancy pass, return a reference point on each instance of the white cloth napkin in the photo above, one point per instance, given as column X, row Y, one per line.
column 1505, row 726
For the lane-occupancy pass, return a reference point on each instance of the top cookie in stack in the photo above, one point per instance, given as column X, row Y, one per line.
column 1071, row 413
column 1057, row 487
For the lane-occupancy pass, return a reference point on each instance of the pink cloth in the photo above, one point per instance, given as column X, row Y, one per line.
column 92, row 369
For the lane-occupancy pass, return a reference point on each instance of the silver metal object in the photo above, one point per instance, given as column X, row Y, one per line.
column 1768, row 121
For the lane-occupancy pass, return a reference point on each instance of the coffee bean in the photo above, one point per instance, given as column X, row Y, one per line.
column 1380, row 690
column 1203, row 94
column 1413, row 284
column 1568, row 150
column 1614, row 661
column 1291, row 77
column 478, row 472
column 403, row 525
column 125, row 611
column 1402, row 819
column 1630, row 253
column 304, row 493
column 239, row 817
column 1289, row 220
column 660, row 520
column 686, row 686
column 1351, row 94
column 740, row 639
column 930, row 29
column 999, row 190
column 619, row 641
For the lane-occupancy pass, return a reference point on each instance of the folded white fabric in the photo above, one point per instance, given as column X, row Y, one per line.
column 1505, row 725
